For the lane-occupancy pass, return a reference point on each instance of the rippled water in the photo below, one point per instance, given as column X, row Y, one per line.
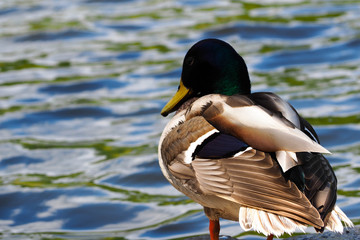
column 82, row 84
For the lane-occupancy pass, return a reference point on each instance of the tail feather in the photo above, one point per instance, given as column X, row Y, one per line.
column 267, row 223
column 334, row 223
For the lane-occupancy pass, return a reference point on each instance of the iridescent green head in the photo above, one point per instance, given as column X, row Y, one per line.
column 210, row 66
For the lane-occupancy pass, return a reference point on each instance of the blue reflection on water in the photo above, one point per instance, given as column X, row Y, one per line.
column 196, row 221
column 6, row 162
column 57, row 115
column 56, row 36
column 128, row 55
column 262, row 31
column 336, row 53
column 77, row 87
column 6, row 11
column 82, row 217
column 148, row 171
column 27, row 207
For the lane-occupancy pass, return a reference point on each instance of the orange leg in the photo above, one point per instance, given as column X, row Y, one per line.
column 214, row 229
column 270, row 237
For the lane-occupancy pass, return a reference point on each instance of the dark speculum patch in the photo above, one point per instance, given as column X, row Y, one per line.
column 219, row 145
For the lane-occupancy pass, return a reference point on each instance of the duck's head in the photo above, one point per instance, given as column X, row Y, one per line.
column 210, row 66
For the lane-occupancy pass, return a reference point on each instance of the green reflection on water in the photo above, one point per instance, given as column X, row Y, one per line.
column 24, row 64
column 349, row 193
column 219, row 20
column 314, row 18
column 355, row 149
column 79, row 180
column 274, row 47
column 48, row 23
column 334, row 120
column 10, row 109
column 45, row 181
column 60, row 79
column 18, row 65
column 136, row 46
column 102, row 147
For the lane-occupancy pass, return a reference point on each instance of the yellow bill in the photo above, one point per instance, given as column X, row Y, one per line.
column 181, row 94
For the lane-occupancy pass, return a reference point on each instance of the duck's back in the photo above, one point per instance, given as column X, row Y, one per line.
column 208, row 153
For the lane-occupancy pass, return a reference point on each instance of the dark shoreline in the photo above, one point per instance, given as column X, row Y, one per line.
column 348, row 234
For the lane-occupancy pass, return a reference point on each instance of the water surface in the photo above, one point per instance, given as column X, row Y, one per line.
column 82, row 84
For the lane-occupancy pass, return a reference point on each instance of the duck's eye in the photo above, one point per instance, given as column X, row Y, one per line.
column 189, row 61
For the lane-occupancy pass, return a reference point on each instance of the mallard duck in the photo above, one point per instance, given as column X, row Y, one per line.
column 247, row 157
